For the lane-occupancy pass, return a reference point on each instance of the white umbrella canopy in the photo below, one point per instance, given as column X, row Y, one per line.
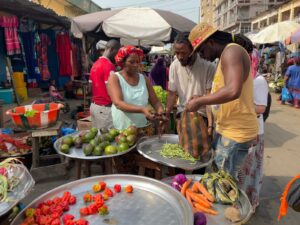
column 275, row 32
column 132, row 23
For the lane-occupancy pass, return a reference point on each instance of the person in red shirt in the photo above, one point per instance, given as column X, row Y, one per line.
column 100, row 108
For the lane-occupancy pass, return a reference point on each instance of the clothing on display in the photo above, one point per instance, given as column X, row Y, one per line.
column 63, row 49
column 42, row 51
column 10, row 24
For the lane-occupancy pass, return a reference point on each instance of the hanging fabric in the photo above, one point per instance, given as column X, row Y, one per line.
column 29, row 40
column 64, row 51
column 10, row 24
column 42, row 52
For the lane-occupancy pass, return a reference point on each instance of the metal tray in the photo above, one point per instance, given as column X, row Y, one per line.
column 77, row 153
column 150, row 148
column 243, row 204
column 152, row 202
column 25, row 185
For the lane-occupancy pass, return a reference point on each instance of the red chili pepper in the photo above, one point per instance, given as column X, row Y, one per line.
column 105, row 197
column 69, row 222
column 99, row 203
column 109, row 192
column 49, row 202
column 129, row 189
column 117, row 188
column 97, row 197
column 66, row 196
column 84, row 211
column 65, row 206
column 72, row 200
column 55, row 215
column 87, row 197
column 81, row 222
column 45, row 209
column 96, row 188
column 37, row 212
column 93, row 208
column 67, row 217
column 103, row 185
column 103, row 210
column 56, row 222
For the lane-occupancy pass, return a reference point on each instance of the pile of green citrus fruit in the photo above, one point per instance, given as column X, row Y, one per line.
column 92, row 144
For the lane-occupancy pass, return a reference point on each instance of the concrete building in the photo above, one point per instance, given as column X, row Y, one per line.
column 70, row 8
column 289, row 10
column 207, row 11
column 236, row 15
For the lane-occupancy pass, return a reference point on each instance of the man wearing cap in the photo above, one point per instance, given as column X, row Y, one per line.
column 100, row 108
column 232, row 102
column 189, row 75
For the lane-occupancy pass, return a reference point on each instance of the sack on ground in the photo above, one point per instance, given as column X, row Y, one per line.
column 193, row 135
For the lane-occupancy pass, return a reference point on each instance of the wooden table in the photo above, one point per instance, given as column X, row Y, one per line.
column 46, row 171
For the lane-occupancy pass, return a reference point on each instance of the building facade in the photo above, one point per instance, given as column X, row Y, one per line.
column 207, row 11
column 70, row 8
column 289, row 10
column 236, row 15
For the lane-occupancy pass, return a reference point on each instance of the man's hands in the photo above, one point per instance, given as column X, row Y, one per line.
column 193, row 104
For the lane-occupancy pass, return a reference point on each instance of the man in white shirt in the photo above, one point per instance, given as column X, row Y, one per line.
column 189, row 75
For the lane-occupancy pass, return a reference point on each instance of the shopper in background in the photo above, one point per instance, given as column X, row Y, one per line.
column 100, row 108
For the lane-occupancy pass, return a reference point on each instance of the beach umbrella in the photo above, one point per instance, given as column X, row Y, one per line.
column 294, row 38
column 277, row 32
column 137, row 24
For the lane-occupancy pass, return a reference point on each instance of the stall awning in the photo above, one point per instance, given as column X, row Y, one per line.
column 25, row 8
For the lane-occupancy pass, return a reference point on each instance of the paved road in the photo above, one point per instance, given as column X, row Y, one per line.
column 281, row 163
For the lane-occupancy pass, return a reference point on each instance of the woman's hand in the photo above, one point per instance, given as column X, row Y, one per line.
column 193, row 104
column 148, row 113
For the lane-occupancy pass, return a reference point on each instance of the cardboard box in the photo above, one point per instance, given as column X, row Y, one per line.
column 84, row 124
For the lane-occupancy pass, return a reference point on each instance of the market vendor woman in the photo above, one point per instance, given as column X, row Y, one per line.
column 131, row 92
column 231, row 96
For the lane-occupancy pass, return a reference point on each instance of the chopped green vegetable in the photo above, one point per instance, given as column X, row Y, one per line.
column 176, row 151
column 30, row 113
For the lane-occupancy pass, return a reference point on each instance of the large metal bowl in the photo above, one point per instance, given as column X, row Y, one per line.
column 152, row 202
column 150, row 148
column 243, row 205
column 77, row 153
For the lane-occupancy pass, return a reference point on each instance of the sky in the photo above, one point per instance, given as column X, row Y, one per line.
column 186, row 8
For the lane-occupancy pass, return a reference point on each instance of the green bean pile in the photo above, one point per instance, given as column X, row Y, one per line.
column 176, row 151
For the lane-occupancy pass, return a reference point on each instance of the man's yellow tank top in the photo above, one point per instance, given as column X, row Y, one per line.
column 237, row 119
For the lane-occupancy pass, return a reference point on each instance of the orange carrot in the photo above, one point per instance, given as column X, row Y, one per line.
column 194, row 188
column 203, row 198
column 205, row 210
column 185, row 186
column 188, row 197
column 199, row 200
column 203, row 190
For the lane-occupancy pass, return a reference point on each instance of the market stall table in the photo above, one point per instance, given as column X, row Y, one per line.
column 151, row 202
column 43, row 172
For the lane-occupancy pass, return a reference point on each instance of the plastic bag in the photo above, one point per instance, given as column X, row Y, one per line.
column 286, row 95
